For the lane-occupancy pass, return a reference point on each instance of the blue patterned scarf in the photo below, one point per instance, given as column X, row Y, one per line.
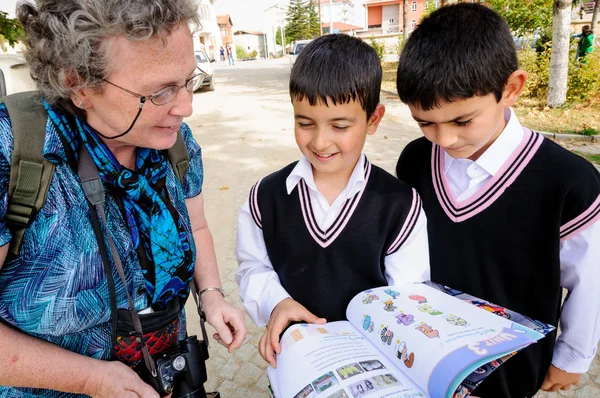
column 153, row 221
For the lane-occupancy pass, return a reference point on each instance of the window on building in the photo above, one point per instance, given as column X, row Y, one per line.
column 413, row 6
column 413, row 24
column 436, row 4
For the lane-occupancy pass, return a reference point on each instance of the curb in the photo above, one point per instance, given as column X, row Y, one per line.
column 392, row 93
column 552, row 136
column 561, row 137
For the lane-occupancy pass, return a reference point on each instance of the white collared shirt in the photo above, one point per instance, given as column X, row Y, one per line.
column 260, row 287
column 579, row 254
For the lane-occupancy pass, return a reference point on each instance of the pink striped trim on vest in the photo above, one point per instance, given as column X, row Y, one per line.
column 253, row 202
column 326, row 238
column 409, row 223
column 492, row 190
column 581, row 222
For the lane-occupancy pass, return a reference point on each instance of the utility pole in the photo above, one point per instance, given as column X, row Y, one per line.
column 320, row 20
column 330, row 16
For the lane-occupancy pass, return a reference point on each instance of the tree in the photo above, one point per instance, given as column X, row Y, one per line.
column 314, row 20
column 303, row 20
column 278, row 37
column 559, row 61
column 524, row 17
column 405, row 18
column 595, row 19
column 10, row 30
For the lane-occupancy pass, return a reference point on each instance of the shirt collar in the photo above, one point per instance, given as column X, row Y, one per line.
column 54, row 150
column 303, row 170
column 500, row 150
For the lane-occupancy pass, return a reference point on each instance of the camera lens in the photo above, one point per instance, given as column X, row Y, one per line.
column 168, row 387
column 179, row 363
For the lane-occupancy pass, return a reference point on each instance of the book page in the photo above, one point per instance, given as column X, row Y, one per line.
column 432, row 337
column 335, row 361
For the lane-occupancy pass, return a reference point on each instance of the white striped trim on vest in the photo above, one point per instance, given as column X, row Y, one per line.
column 326, row 238
column 409, row 223
column 253, row 202
column 581, row 222
column 492, row 190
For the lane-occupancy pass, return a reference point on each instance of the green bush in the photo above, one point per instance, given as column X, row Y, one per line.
column 583, row 79
column 379, row 47
column 241, row 52
column 400, row 44
column 252, row 54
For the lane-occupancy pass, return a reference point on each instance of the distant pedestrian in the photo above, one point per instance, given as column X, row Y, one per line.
column 222, row 55
column 230, row 55
column 586, row 43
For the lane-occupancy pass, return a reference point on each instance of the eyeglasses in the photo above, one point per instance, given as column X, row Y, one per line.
column 165, row 94
column 161, row 97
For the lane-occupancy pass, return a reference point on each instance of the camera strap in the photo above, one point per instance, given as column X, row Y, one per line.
column 94, row 192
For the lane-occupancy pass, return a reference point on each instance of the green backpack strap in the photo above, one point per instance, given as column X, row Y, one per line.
column 30, row 173
column 178, row 156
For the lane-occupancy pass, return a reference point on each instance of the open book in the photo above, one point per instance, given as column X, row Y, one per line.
column 413, row 340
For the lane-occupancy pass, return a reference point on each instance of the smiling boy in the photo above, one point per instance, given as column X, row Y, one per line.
column 512, row 217
column 319, row 231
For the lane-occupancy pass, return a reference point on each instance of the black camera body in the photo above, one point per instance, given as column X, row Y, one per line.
column 181, row 371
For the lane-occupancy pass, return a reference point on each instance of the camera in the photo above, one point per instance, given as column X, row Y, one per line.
column 181, row 371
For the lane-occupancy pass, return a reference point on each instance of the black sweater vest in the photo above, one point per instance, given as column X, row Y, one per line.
column 504, row 245
column 323, row 270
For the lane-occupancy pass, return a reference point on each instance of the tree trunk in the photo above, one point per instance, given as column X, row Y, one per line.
column 405, row 19
column 559, row 62
column 595, row 29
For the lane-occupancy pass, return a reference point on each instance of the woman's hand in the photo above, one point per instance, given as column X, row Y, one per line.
column 226, row 319
column 115, row 379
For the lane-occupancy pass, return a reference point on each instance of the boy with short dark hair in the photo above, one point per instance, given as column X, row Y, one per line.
column 319, row 231
column 512, row 217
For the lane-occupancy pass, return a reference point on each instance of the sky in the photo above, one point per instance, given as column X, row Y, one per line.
column 246, row 14
column 9, row 7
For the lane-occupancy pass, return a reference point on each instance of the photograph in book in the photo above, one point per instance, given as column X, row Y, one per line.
column 412, row 340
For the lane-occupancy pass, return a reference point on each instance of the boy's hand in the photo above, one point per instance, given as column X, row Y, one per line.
column 557, row 379
column 286, row 311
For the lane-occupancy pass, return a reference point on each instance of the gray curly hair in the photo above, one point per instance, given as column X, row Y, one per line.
column 65, row 40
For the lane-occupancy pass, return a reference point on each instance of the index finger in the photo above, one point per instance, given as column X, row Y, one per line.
column 239, row 333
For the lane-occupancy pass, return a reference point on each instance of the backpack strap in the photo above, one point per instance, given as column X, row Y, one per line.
column 178, row 156
column 30, row 173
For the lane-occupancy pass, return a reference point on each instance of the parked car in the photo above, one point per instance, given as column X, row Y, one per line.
column 14, row 75
column 298, row 47
column 206, row 64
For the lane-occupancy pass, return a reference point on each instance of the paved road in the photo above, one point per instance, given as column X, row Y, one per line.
column 245, row 129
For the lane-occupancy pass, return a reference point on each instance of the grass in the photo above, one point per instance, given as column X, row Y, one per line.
column 593, row 158
column 571, row 119
column 389, row 76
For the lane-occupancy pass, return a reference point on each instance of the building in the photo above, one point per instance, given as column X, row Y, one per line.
column 252, row 41
column 208, row 38
column 226, row 29
column 384, row 20
column 384, row 17
column 275, row 16
column 348, row 12
column 340, row 27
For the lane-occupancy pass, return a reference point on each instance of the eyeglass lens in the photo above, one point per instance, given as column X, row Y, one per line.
column 167, row 94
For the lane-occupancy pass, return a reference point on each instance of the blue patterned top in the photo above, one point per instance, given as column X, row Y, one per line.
column 55, row 289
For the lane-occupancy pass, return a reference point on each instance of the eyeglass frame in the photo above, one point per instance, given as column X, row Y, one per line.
column 144, row 98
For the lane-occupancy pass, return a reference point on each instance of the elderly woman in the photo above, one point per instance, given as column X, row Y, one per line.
column 116, row 77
